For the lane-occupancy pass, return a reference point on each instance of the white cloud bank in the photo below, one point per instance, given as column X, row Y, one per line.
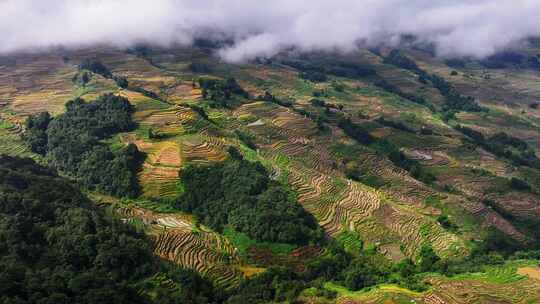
column 263, row 28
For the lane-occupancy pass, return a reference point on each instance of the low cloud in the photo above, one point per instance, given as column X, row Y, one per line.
column 263, row 28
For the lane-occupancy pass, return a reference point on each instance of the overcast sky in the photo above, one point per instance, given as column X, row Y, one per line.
column 263, row 28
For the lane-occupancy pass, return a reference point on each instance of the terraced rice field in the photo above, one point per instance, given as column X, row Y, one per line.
column 343, row 205
column 400, row 186
column 164, row 121
column 413, row 230
column 525, row 205
column 203, row 149
column 502, row 286
column 184, row 92
column 293, row 125
column 298, row 153
column 159, row 177
column 159, row 174
column 11, row 144
column 36, row 83
column 177, row 239
column 340, row 204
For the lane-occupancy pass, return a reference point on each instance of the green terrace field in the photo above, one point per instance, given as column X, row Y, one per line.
column 384, row 157
column 505, row 284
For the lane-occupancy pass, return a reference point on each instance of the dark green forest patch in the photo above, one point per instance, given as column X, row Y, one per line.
column 241, row 195
column 56, row 246
column 72, row 144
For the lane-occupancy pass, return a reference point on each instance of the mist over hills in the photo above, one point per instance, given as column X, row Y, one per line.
column 262, row 29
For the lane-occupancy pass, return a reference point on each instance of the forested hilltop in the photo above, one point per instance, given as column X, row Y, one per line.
column 153, row 175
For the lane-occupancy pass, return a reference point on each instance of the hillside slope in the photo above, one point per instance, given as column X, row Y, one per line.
column 396, row 148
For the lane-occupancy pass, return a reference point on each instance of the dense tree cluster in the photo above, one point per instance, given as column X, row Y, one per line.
column 199, row 67
column 82, row 78
column 199, row 110
column 246, row 138
column 121, row 81
column 95, row 66
column 534, row 61
column 327, row 105
column 36, row 135
column 275, row 285
column 446, row 223
column 146, row 92
column 504, row 60
column 314, row 76
column 271, row 98
column 519, row 184
column 240, row 194
column 457, row 62
column 222, row 93
column 396, row 57
column 57, row 247
column 355, row 131
column 454, row 101
column 71, row 143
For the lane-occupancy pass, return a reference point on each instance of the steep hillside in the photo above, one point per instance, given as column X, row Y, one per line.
column 56, row 246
